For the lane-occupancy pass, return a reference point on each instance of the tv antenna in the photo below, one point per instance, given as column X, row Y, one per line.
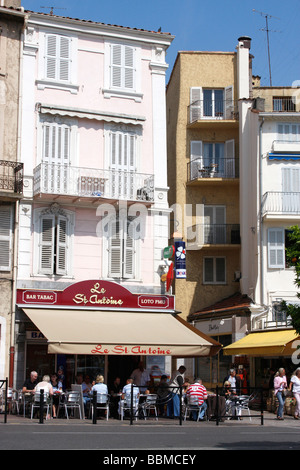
column 266, row 15
column 51, row 9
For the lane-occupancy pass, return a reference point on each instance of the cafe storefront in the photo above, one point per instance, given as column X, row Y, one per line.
column 95, row 326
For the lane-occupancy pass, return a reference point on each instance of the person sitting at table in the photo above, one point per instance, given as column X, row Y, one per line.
column 198, row 391
column 45, row 385
column 57, row 389
column 115, row 390
column 163, row 394
column 30, row 383
column 126, row 391
column 231, row 399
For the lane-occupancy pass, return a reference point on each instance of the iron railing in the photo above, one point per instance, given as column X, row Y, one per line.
column 207, row 168
column 68, row 180
column 11, row 176
column 279, row 202
column 213, row 234
column 212, row 109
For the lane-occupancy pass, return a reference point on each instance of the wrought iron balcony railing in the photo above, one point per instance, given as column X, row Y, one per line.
column 276, row 202
column 67, row 180
column 213, row 234
column 212, row 109
column 208, row 168
column 11, row 176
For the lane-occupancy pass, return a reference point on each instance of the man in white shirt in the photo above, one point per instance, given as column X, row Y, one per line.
column 141, row 377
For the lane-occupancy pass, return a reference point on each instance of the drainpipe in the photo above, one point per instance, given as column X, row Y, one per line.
column 260, row 216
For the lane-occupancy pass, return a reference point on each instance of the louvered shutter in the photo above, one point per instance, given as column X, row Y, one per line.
column 229, row 102
column 290, row 190
column 116, row 65
column 128, row 67
column 47, row 244
column 58, row 57
column 62, row 246
column 122, row 66
column 195, row 104
column 5, row 238
column 51, row 52
column 129, row 247
column 208, row 224
column 196, row 158
column 115, row 249
column 276, row 251
column 229, row 167
column 64, row 58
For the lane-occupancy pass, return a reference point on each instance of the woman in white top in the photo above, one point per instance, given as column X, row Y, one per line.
column 45, row 385
column 99, row 386
column 295, row 385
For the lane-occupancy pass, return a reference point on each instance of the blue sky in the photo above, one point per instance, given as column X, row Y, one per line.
column 205, row 25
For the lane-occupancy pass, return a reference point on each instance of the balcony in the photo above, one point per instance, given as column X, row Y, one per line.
column 207, row 112
column 11, row 178
column 90, row 183
column 205, row 168
column 277, row 104
column 278, row 203
column 207, row 235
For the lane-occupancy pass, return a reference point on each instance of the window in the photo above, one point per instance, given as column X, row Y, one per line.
column 55, row 229
column 208, row 103
column 122, row 67
column 214, row 270
column 123, row 150
column 6, row 219
column 57, row 57
column 283, row 103
column 122, row 234
column 289, row 132
column 276, row 251
column 214, row 224
column 212, row 159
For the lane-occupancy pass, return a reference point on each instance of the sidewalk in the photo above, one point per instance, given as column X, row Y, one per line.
column 269, row 420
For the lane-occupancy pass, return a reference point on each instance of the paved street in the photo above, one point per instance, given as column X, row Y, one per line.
column 165, row 435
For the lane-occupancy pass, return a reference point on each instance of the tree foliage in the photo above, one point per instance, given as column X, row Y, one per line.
column 293, row 259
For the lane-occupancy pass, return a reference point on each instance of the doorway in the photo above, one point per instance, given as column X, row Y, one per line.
column 121, row 366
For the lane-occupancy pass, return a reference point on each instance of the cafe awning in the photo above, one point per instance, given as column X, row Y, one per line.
column 72, row 331
column 264, row 343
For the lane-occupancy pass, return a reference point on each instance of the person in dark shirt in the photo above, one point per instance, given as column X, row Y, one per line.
column 30, row 383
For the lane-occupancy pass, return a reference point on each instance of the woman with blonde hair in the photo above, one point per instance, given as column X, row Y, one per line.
column 280, row 384
column 99, row 386
column 295, row 387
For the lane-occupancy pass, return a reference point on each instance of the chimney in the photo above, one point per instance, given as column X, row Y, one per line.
column 243, row 66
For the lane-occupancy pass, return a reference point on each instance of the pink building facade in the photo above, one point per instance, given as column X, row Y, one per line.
column 93, row 145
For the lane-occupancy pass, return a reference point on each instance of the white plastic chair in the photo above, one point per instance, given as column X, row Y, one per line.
column 243, row 404
column 102, row 403
column 72, row 402
column 149, row 404
column 37, row 400
column 125, row 405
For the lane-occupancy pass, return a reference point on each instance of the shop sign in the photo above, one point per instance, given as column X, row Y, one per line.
column 132, row 350
column 34, row 335
column 169, row 251
column 94, row 294
column 180, row 260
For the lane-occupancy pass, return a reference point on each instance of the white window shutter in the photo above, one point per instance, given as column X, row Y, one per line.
column 195, row 103
column 276, row 248
column 64, row 58
column 62, row 246
column 5, row 237
column 51, row 52
column 229, row 108
column 116, row 65
column 115, row 249
column 196, row 158
column 47, row 244
column 128, row 67
column 229, row 159
column 129, row 246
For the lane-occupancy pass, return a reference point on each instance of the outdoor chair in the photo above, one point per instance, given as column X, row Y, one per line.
column 36, row 403
column 192, row 405
column 243, row 404
column 125, row 405
column 102, row 403
column 148, row 405
column 72, row 402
